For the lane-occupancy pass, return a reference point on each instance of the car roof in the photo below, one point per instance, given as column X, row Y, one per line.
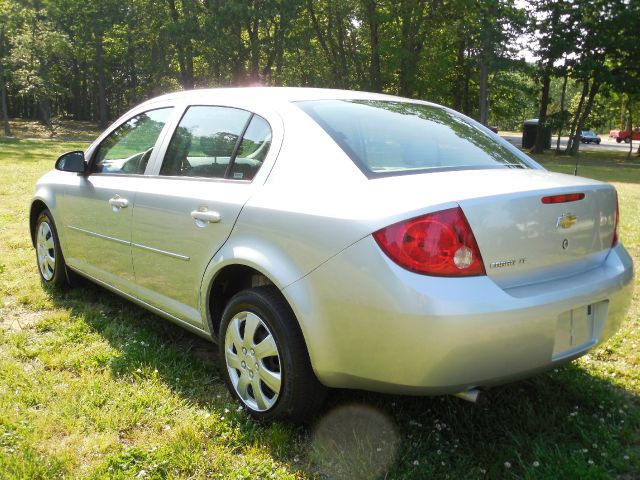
column 273, row 95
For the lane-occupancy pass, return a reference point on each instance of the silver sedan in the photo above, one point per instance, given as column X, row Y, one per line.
column 330, row 238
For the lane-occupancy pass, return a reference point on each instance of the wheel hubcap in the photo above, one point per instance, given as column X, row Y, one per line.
column 46, row 251
column 253, row 361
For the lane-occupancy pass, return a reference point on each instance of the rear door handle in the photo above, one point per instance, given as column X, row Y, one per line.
column 203, row 217
column 118, row 202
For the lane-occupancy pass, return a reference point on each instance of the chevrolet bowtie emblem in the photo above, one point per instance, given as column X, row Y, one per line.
column 566, row 220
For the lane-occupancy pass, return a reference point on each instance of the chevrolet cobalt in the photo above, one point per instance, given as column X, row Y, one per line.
column 328, row 238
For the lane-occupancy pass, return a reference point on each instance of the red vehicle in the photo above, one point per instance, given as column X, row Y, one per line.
column 625, row 135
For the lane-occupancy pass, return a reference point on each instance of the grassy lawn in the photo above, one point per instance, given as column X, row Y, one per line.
column 92, row 386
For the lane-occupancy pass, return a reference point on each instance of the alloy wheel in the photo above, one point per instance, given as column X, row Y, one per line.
column 46, row 251
column 253, row 361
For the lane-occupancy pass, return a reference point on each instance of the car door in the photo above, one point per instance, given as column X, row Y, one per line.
column 184, row 214
column 98, row 205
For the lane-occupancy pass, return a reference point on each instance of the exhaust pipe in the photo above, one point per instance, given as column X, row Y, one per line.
column 472, row 395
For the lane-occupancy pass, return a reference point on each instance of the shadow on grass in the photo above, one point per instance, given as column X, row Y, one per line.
column 566, row 423
column 34, row 151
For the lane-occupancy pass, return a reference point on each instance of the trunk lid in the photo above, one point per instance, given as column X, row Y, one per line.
column 523, row 240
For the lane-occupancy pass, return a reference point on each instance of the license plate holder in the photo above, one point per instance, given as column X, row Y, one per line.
column 575, row 331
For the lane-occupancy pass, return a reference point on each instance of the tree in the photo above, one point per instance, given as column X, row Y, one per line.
column 38, row 58
column 556, row 24
column 6, row 14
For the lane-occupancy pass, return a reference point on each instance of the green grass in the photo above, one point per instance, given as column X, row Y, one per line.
column 92, row 386
column 606, row 165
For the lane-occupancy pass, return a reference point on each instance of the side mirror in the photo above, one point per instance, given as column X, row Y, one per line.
column 71, row 162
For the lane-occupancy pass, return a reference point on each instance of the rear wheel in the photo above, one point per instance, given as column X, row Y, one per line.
column 267, row 366
column 51, row 263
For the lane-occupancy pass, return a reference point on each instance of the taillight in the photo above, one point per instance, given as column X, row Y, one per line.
column 614, row 242
column 440, row 244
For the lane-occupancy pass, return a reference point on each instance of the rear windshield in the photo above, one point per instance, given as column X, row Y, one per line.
column 392, row 138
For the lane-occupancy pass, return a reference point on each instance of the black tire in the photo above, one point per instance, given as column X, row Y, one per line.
column 618, row 140
column 598, row 141
column 56, row 276
column 627, row 139
column 300, row 393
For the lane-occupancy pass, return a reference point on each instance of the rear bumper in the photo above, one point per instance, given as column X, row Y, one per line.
column 372, row 325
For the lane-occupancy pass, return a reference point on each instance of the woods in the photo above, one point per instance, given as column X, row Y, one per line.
column 93, row 60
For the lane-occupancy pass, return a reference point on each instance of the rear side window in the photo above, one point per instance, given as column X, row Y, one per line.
column 391, row 138
column 253, row 149
column 217, row 142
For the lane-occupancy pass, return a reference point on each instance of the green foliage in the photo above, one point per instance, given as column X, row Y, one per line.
column 94, row 59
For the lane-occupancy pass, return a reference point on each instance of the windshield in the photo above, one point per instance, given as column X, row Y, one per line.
column 389, row 138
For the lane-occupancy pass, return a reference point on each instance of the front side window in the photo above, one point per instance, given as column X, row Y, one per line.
column 391, row 138
column 128, row 148
column 217, row 142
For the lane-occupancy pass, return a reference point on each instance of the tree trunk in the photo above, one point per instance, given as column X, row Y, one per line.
column 374, row 62
column 623, row 111
column 76, row 92
column 254, row 46
column 185, row 55
column 466, row 104
column 279, row 63
column 412, row 16
column 575, row 146
column 539, row 146
column 5, row 109
column 630, row 129
column 484, row 100
column 574, row 123
column 44, row 105
column 564, row 92
column 330, row 53
column 458, row 85
column 341, row 53
column 102, row 97
column 238, row 72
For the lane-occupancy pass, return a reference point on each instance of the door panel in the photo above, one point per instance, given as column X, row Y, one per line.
column 183, row 216
column 171, row 248
column 98, row 233
column 98, row 207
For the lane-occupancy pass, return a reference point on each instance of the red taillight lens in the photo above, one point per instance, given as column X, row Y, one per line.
column 614, row 242
column 440, row 244
column 564, row 198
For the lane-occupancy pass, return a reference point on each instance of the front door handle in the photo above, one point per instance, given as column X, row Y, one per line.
column 203, row 217
column 118, row 202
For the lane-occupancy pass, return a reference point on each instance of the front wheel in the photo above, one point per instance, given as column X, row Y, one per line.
column 267, row 367
column 51, row 263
